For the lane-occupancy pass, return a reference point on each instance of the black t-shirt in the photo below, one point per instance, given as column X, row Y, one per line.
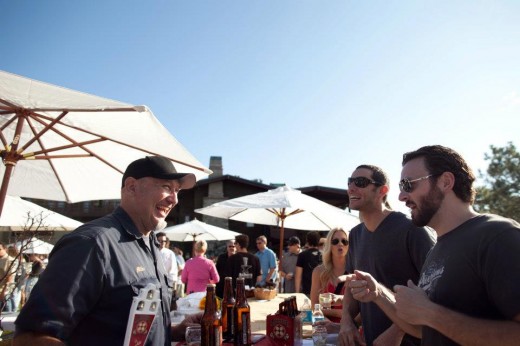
column 234, row 267
column 475, row 270
column 308, row 260
column 393, row 254
column 221, row 266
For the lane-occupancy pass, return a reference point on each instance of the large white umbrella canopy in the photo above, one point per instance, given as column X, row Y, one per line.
column 34, row 246
column 284, row 207
column 196, row 230
column 65, row 145
column 20, row 214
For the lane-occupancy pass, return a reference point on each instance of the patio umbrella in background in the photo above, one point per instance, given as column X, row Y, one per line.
column 64, row 145
column 196, row 230
column 20, row 213
column 283, row 207
column 34, row 245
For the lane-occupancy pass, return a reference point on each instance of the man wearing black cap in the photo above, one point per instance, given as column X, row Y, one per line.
column 288, row 266
column 84, row 295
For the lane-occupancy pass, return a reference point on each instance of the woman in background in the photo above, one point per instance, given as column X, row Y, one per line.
column 329, row 277
column 199, row 271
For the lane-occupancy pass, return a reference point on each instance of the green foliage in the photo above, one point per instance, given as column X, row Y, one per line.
column 501, row 192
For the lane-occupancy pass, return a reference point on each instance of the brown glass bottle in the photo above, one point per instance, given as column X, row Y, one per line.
column 211, row 325
column 242, row 315
column 228, row 304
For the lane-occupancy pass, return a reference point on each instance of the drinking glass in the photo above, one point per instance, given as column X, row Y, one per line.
column 326, row 300
column 193, row 335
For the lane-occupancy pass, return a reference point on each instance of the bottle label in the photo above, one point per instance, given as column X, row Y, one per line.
column 317, row 319
column 230, row 321
column 307, row 316
column 218, row 335
column 246, row 328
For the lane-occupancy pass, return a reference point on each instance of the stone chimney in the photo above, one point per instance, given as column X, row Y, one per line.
column 215, row 164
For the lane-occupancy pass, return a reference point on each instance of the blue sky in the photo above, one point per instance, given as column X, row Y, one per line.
column 297, row 92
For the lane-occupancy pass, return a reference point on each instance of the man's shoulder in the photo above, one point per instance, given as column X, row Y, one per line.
column 103, row 231
column 405, row 222
column 309, row 253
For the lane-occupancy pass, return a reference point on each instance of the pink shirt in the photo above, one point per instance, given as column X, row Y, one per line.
column 198, row 273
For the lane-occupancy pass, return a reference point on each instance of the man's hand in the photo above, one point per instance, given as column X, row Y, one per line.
column 178, row 331
column 332, row 327
column 363, row 286
column 412, row 303
column 349, row 335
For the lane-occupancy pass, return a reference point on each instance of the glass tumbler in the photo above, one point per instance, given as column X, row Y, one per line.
column 193, row 335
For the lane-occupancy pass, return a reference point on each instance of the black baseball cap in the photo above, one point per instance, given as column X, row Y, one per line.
column 158, row 167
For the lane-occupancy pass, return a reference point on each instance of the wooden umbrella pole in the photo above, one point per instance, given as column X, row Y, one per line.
column 281, row 243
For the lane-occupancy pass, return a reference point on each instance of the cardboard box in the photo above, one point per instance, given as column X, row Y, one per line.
column 283, row 330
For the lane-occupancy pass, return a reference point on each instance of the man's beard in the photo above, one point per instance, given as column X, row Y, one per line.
column 428, row 207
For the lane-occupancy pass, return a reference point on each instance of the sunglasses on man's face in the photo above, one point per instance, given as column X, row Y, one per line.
column 362, row 182
column 336, row 241
column 406, row 185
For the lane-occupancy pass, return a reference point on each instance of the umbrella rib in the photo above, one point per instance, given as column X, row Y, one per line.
column 38, row 117
column 37, row 137
column 75, row 145
column 9, row 105
column 63, row 147
column 202, row 169
column 37, row 134
column 2, row 137
column 294, row 212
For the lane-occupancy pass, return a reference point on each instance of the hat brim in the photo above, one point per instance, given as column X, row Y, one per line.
column 187, row 180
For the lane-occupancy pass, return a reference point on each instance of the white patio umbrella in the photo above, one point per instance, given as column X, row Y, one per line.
column 24, row 215
column 34, row 245
column 64, row 145
column 196, row 230
column 283, row 207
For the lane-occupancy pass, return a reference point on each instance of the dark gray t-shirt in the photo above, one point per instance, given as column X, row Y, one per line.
column 392, row 254
column 475, row 270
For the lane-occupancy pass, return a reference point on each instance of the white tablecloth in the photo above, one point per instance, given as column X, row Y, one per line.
column 8, row 319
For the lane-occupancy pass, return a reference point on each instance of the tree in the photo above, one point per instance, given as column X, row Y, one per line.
column 34, row 228
column 501, row 192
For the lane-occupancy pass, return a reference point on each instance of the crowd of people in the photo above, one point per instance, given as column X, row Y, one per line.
column 18, row 275
column 444, row 276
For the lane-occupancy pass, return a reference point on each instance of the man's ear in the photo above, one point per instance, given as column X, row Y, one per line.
column 446, row 181
column 383, row 190
column 130, row 184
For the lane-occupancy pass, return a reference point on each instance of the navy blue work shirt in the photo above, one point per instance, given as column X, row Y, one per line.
column 84, row 295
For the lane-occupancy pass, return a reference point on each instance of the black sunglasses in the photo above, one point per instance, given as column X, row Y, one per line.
column 362, row 182
column 406, row 185
column 336, row 241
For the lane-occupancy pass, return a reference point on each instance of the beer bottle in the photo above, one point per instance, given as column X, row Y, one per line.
column 242, row 315
column 173, row 304
column 211, row 325
column 228, row 304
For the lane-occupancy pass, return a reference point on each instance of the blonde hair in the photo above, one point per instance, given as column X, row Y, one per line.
column 200, row 246
column 327, row 273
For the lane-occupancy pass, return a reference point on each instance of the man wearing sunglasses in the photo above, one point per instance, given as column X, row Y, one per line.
column 387, row 245
column 468, row 292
